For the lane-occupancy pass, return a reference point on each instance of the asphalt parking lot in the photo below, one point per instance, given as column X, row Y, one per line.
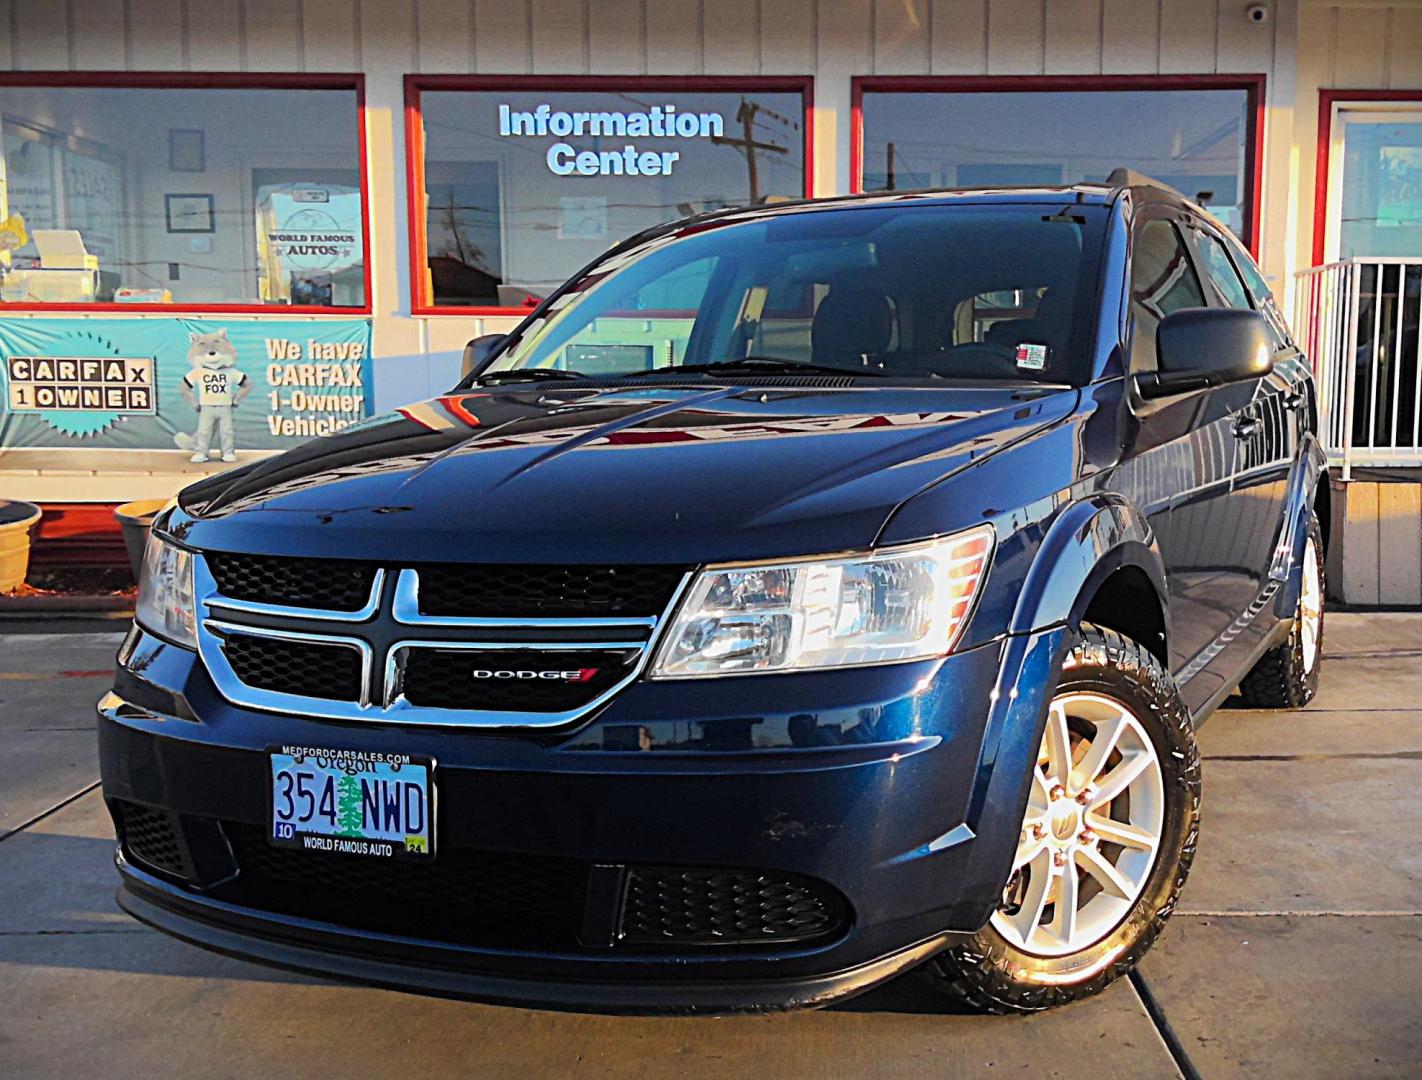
column 1297, row 950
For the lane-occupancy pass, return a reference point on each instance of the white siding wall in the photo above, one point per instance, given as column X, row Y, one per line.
column 1342, row 44
column 1351, row 45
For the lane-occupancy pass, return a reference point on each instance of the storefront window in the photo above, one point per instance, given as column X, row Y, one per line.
column 195, row 196
column 1381, row 190
column 1196, row 140
column 521, row 184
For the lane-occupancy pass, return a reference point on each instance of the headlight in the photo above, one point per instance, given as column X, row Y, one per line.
column 903, row 603
column 165, row 593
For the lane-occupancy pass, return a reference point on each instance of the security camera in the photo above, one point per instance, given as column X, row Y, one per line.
column 1257, row 13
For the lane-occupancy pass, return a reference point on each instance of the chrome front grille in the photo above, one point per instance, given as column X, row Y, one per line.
column 391, row 654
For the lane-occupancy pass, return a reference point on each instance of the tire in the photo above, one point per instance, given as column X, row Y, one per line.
column 1286, row 677
column 1004, row 968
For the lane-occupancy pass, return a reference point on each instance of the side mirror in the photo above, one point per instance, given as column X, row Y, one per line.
column 478, row 352
column 1197, row 348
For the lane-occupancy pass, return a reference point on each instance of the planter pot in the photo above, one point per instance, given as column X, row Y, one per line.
column 135, row 518
column 17, row 520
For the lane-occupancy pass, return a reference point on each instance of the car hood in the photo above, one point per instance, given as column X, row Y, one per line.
column 628, row 474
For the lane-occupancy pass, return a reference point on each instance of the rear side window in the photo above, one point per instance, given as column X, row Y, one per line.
column 1162, row 280
column 1264, row 301
column 1223, row 277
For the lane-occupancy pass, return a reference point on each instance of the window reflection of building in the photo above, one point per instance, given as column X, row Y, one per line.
column 94, row 159
column 962, row 133
column 502, row 225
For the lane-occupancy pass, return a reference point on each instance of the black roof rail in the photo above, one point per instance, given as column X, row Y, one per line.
column 1127, row 178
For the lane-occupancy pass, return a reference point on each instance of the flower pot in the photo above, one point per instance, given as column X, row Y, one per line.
column 135, row 518
column 17, row 520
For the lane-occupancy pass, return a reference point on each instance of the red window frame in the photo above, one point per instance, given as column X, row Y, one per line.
column 1327, row 98
column 179, row 80
column 1253, row 85
column 423, row 304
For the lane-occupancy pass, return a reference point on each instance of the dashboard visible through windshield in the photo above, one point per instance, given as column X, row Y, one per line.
column 998, row 292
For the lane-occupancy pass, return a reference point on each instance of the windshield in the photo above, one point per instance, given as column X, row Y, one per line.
column 906, row 291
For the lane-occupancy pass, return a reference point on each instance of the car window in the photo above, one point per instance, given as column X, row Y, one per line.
column 1221, row 274
column 786, row 323
column 1264, row 301
column 1004, row 316
column 650, row 327
column 904, row 291
column 1162, row 280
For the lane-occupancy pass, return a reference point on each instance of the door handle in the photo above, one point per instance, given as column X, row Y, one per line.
column 1247, row 425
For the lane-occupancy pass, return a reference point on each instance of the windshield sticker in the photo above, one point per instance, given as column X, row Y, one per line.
column 1031, row 357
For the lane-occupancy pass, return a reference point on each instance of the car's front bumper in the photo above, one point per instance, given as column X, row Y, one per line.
column 910, row 815
column 411, row 964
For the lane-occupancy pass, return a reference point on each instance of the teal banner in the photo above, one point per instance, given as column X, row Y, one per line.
column 205, row 387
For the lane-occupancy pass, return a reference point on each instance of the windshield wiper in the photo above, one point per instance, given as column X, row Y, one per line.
column 527, row 375
column 755, row 365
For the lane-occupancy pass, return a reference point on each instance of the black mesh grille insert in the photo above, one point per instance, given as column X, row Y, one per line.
column 151, row 837
column 332, row 672
column 672, row 906
column 517, row 680
column 476, row 897
column 512, row 591
column 330, row 584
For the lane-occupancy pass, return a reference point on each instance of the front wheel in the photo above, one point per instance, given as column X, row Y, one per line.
column 1107, row 837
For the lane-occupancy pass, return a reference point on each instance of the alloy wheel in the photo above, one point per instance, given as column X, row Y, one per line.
column 1091, row 830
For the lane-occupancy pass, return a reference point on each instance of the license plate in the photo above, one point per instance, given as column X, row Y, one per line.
column 351, row 802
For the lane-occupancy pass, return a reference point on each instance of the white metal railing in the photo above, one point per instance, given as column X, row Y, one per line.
column 1357, row 321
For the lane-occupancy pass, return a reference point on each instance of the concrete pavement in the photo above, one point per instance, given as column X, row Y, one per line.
column 1297, row 951
column 48, row 686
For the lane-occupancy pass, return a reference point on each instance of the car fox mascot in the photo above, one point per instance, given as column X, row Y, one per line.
column 214, row 387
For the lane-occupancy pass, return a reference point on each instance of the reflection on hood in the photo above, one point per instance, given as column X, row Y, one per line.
column 702, row 460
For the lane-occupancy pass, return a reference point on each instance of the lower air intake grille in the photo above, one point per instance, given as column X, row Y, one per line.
column 151, row 837
column 472, row 897
column 670, row 906
column 329, row 584
column 530, row 591
column 332, row 672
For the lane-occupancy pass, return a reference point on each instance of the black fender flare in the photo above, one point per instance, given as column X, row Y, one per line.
column 1086, row 543
column 1310, row 467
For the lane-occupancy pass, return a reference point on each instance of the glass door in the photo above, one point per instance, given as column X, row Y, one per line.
column 1375, row 220
column 1375, row 183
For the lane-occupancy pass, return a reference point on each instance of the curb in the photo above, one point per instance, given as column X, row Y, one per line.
column 102, row 606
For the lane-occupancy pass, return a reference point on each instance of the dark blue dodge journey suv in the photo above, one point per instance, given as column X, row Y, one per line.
column 800, row 595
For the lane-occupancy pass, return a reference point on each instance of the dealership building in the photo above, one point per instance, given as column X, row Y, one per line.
column 318, row 202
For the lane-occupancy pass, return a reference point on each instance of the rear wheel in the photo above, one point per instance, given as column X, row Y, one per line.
column 1107, row 837
column 1286, row 677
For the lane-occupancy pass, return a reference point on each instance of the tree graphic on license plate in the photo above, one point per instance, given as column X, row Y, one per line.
column 348, row 815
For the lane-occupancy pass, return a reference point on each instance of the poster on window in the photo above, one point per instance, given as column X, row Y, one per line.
column 93, row 201
column 29, row 182
column 198, row 387
column 309, row 244
column 1400, row 185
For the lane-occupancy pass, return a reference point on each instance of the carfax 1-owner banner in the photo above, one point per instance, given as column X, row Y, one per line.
column 198, row 386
